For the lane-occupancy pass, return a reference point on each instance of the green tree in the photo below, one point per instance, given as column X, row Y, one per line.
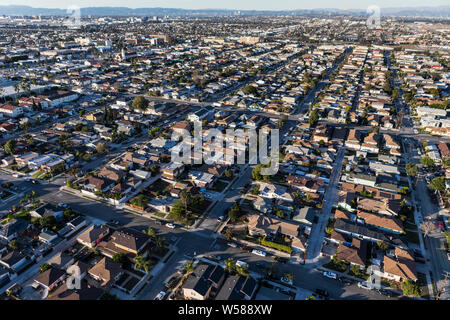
column 151, row 232
column 140, row 103
column 256, row 173
column 141, row 263
column 411, row 169
column 10, row 146
column 229, row 234
column 120, row 258
column 438, row 184
column 234, row 213
column 427, row 161
column 188, row 268
column 230, row 265
column 314, row 117
column 411, row 288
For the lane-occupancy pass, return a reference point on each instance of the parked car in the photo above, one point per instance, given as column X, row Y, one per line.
column 345, row 280
column 281, row 260
column 221, row 218
column 322, row 292
column 242, row 264
column 259, row 253
column 160, row 295
column 232, row 244
column 158, row 222
column 170, row 225
column 387, row 293
column 330, row 275
column 364, row 285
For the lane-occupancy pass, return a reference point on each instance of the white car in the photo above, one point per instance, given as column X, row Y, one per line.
column 364, row 285
column 170, row 225
column 242, row 264
column 330, row 275
column 259, row 253
column 287, row 281
column 160, row 295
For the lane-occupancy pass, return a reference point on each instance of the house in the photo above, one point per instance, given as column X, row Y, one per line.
column 93, row 236
column 384, row 223
column 260, row 225
column 111, row 174
column 94, row 184
column 62, row 261
column 202, row 281
column 305, row 184
column 56, row 98
column 13, row 260
column 237, row 288
column 200, row 115
column 363, row 233
column 400, row 267
column 201, row 179
column 305, row 216
column 106, row 272
column 47, row 236
column 48, row 210
column 128, row 240
column 263, row 205
column 355, row 254
column 85, row 293
column 51, row 278
column 382, row 206
column 13, row 229
column 11, row 111
column 273, row 191
column 172, row 171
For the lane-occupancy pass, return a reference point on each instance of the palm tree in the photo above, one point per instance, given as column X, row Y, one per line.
column 160, row 242
column 2, row 91
column 189, row 268
column 185, row 199
column 141, row 263
column 16, row 88
column 230, row 265
column 151, row 232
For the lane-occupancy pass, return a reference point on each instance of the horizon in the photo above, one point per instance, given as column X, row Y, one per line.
column 257, row 5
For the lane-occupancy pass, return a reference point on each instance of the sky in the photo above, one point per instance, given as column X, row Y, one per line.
column 228, row 4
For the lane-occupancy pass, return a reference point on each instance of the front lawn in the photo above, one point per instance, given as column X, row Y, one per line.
column 336, row 265
column 355, row 271
column 219, row 186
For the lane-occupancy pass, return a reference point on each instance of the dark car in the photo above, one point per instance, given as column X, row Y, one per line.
column 322, row 292
column 281, row 260
column 346, row 280
column 388, row 293
column 261, row 264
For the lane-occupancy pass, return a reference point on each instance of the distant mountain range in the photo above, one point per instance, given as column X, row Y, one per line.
column 13, row 10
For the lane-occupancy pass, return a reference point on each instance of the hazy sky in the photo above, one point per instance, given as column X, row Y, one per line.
column 228, row 4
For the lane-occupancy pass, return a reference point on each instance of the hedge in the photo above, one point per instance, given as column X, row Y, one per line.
column 276, row 246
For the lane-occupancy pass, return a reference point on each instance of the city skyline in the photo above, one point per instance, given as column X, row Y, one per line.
column 230, row 5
